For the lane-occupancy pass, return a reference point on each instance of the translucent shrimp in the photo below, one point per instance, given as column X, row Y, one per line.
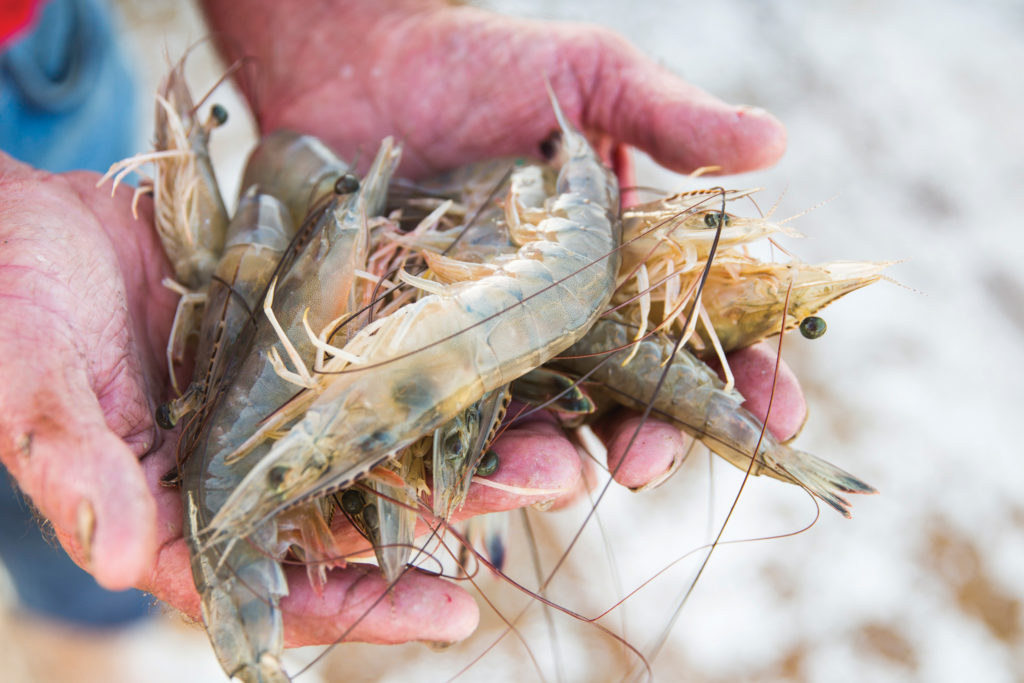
column 257, row 236
column 239, row 580
column 679, row 230
column 693, row 397
column 745, row 299
column 440, row 354
column 297, row 169
column 188, row 210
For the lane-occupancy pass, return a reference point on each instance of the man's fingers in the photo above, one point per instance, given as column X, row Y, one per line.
column 89, row 485
column 641, row 103
column 78, row 474
column 356, row 605
column 754, row 370
column 643, row 453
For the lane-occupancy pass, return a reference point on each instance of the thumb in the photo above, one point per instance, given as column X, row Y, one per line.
column 79, row 475
column 633, row 99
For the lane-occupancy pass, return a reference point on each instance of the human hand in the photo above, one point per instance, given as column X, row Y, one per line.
column 456, row 84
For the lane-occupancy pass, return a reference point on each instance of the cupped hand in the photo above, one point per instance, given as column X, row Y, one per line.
column 86, row 320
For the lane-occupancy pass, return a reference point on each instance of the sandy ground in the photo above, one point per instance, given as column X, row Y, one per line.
column 905, row 140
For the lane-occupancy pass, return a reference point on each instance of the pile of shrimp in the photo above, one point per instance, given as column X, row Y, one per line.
column 358, row 341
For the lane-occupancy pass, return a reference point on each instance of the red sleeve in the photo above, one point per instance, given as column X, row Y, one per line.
column 14, row 16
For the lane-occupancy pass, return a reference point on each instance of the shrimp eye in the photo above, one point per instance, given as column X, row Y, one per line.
column 549, row 145
column 163, row 416
column 488, row 464
column 219, row 114
column 346, row 184
column 452, row 446
column 812, row 327
column 277, row 476
column 370, row 518
column 352, row 502
column 716, row 218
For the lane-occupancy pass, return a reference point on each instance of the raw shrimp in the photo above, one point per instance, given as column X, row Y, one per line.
column 257, row 236
column 695, row 398
column 745, row 298
column 240, row 581
column 458, row 447
column 188, row 210
column 297, row 169
column 442, row 353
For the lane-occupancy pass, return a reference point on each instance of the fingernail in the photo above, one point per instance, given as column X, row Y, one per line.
column 751, row 110
column 85, row 529
column 438, row 645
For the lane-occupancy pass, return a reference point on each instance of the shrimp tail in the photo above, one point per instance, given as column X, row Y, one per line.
column 240, row 585
column 821, row 478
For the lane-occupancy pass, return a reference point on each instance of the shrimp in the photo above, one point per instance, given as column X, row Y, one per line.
column 189, row 213
column 390, row 522
column 459, row 446
column 679, row 230
column 696, row 399
column 240, row 581
column 443, row 352
column 297, row 169
column 257, row 236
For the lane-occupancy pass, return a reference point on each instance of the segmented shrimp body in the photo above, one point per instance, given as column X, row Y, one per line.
column 693, row 397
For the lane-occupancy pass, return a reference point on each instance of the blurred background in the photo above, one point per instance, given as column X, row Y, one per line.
column 905, row 143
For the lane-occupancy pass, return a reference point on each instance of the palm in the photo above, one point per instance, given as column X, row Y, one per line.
column 81, row 278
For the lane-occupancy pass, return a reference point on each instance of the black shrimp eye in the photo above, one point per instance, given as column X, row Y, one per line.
column 370, row 517
column 352, row 502
column 452, row 446
column 488, row 464
column 812, row 327
column 716, row 218
column 163, row 416
column 346, row 184
column 219, row 114
column 549, row 145
column 277, row 475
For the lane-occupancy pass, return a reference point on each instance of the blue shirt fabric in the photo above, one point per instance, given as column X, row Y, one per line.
column 67, row 101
